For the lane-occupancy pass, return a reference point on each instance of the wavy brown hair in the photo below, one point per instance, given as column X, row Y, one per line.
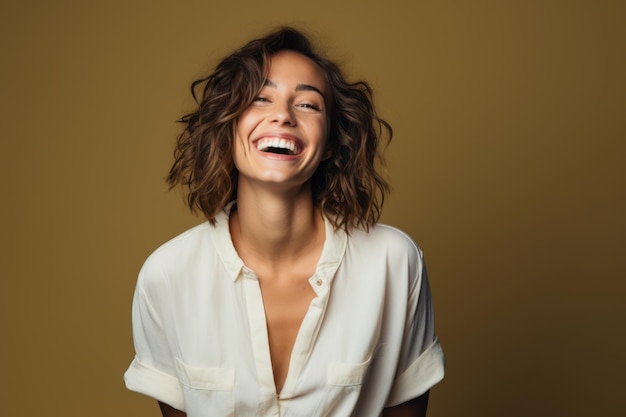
column 347, row 186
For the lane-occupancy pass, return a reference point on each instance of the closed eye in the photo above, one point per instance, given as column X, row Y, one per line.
column 309, row 106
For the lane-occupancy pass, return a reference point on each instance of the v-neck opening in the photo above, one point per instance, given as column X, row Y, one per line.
column 330, row 258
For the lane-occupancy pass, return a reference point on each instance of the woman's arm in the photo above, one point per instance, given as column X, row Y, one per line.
column 169, row 411
column 412, row 408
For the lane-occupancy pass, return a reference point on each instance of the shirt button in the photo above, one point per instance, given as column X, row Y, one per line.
column 319, row 282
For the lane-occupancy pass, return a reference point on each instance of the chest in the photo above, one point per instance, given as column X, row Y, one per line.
column 282, row 343
column 285, row 305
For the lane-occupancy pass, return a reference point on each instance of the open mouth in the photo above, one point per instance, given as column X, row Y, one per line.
column 278, row 146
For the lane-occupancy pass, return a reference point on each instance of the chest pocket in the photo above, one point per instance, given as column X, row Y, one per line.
column 343, row 386
column 207, row 391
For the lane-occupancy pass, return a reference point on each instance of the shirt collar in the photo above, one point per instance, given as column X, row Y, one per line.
column 330, row 259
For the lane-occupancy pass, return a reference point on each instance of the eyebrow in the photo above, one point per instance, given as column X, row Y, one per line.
column 299, row 87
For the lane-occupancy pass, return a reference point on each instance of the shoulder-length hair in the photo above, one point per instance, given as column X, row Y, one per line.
column 348, row 186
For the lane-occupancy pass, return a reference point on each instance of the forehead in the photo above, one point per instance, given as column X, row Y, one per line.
column 290, row 66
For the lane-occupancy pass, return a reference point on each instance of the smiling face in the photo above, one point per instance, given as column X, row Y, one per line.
column 281, row 138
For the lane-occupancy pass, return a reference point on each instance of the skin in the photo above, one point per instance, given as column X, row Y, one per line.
column 277, row 229
column 292, row 106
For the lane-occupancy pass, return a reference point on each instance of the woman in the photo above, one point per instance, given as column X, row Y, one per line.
column 290, row 300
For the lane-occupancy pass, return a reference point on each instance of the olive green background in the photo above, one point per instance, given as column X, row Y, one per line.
column 507, row 164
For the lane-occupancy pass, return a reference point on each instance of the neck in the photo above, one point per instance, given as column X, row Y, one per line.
column 276, row 227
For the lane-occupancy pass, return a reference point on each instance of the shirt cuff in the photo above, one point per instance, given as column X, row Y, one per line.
column 419, row 377
column 154, row 383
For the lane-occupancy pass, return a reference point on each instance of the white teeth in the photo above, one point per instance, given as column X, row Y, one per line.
column 279, row 143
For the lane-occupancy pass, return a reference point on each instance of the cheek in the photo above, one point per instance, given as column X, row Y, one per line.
column 318, row 128
column 243, row 130
column 240, row 146
column 325, row 133
column 326, row 128
column 240, row 150
column 246, row 123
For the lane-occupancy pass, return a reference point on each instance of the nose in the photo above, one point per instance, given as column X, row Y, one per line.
column 282, row 114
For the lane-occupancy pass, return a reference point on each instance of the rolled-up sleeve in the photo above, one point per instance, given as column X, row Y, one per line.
column 152, row 371
column 422, row 361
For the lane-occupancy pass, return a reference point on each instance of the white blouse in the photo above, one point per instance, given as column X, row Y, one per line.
column 367, row 340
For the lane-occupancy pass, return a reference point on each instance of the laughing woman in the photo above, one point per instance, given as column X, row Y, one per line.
column 290, row 300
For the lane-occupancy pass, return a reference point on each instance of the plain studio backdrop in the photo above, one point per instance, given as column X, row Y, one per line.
column 508, row 166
